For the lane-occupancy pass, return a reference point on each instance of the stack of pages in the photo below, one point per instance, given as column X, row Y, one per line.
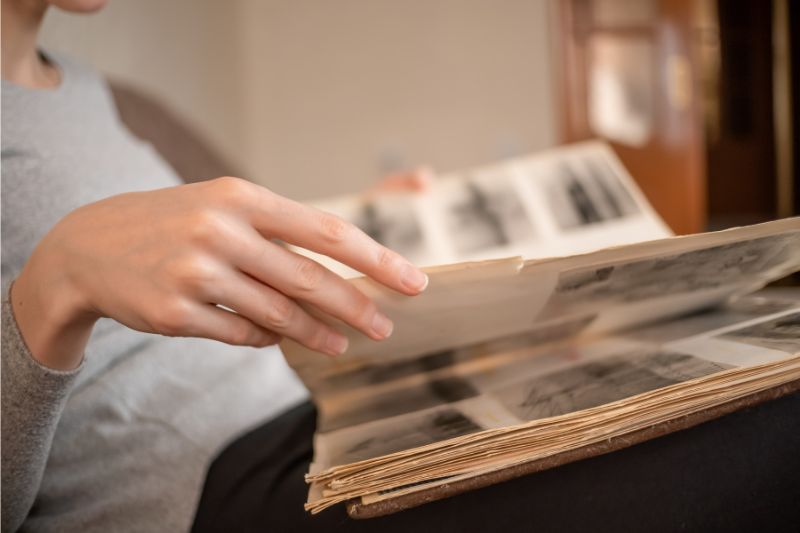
column 504, row 367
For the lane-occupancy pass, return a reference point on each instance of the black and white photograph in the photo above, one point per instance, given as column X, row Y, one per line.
column 706, row 321
column 484, row 214
column 600, row 382
column 782, row 333
column 396, row 434
column 393, row 222
column 709, row 268
column 444, row 376
column 385, row 402
column 617, row 199
column 377, row 374
column 587, row 192
column 548, row 332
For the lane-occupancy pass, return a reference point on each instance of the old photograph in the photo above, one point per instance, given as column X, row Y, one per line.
column 483, row 214
column 444, row 377
column 393, row 222
column 385, row 402
column 587, row 192
column 782, row 333
column 544, row 333
column 708, row 320
column 697, row 270
column 400, row 433
column 376, row 374
column 600, row 382
column 617, row 200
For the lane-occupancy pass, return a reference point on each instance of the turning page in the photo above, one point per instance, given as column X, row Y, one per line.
column 563, row 201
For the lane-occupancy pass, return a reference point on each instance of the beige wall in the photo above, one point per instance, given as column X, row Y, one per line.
column 185, row 52
column 317, row 97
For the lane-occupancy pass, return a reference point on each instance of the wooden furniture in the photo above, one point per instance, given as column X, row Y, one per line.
column 693, row 95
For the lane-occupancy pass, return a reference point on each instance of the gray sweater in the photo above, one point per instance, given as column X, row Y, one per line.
column 122, row 442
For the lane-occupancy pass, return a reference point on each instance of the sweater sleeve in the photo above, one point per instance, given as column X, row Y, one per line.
column 33, row 397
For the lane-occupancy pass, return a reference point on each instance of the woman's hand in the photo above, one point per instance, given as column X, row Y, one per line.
column 199, row 260
column 415, row 180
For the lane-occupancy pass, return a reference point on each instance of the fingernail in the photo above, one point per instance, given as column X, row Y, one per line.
column 336, row 344
column 413, row 278
column 381, row 325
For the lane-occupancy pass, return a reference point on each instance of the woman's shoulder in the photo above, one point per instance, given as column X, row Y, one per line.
column 43, row 117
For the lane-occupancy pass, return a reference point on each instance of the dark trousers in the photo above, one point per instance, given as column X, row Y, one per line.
column 740, row 472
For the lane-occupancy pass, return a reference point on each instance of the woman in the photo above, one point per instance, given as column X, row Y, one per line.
column 107, row 427
column 131, row 427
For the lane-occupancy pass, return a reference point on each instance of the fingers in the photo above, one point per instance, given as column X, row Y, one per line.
column 417, row 180
column 327, row 234
column 265, row 279
column 212, row 322
column 276, row 312
column 301, row 278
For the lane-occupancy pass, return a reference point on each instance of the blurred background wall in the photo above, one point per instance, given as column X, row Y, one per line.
column 699, row 98
column 316, row 98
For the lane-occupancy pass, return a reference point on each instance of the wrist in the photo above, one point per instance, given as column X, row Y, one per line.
column 51, row 315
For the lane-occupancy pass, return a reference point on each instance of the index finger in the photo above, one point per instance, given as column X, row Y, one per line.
column 327, row 234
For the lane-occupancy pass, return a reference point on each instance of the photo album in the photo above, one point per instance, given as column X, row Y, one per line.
column 562, row 320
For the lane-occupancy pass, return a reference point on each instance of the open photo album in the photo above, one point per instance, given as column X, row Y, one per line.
column 562, row 320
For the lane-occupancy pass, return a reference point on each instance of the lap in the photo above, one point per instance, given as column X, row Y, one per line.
column 739, row 472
